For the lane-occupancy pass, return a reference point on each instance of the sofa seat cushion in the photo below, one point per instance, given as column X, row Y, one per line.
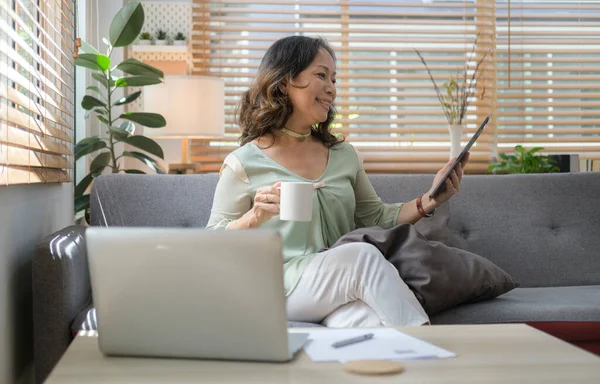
column 86, row 320
column 581, row 303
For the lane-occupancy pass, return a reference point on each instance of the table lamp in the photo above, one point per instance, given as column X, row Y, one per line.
column 193, row 107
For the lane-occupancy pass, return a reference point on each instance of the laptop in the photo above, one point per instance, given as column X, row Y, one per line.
column 190, row 293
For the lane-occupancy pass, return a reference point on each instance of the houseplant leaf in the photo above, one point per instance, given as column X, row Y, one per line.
column 87, row 48
column 103, row 80
column 87, row 148
column 146, row 144
column 128, row 126
column 147, row 119
column 82, row 202
column 118, row 133
column 86, row 181
column 128, row 99
column 93, row 61
column 89, row 102
column 150, row 162
column 100, row 161
column 126, row 25
column 135, row 171
column 136, row 67
column 137, row 81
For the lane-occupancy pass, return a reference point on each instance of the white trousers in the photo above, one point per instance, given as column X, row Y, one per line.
column 353, row 285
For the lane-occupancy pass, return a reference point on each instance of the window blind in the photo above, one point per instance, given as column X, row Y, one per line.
column 36, row 91
column 540, row 83
column 549, row 75
column 386, row 103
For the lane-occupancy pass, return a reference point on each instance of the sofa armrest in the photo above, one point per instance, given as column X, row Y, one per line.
column 61, row 289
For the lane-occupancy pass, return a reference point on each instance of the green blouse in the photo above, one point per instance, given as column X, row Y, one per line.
column 343, row 200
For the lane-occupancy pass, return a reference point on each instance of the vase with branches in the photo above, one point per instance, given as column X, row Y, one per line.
column 457, row 93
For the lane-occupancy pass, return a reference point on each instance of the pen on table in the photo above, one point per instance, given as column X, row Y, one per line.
column 354, row 340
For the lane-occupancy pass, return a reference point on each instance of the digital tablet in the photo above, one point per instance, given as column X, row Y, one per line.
column 441, row 186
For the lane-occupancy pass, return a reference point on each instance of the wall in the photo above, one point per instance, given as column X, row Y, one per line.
column 28, row 213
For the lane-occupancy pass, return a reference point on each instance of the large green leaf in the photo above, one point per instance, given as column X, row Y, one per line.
column 103, row 119
column 137, row 81
column 86, row 147
column 128, row 99
column 128, row 126
column 150, row 162
column 93, row 88
column 146, row 144
column 147, row 119
column 97, row 110
column 100, row 161
column 84, row 184
column 135, row 171
column 89, row 102
column 103, row 80
column 87, row 48
column 136, row 67
column 93, row 61
column 118, row 133
column 82, row 202
column 126, row 25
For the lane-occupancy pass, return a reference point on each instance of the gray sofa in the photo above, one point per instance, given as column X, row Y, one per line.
column 543, row 229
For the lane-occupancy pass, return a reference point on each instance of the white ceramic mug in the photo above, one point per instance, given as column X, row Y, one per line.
column 296, row 203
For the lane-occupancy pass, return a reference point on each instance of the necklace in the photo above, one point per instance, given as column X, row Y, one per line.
column 298, row 136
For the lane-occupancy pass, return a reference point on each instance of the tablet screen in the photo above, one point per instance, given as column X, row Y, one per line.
column 441, row 186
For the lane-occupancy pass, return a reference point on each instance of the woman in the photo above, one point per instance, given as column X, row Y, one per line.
column 285, row 119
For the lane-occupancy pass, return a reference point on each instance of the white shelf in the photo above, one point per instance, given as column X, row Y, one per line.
column 159, row 48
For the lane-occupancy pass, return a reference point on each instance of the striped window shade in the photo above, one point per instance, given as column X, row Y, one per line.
column 386, row 102
column 549, row 76
column 36, row 91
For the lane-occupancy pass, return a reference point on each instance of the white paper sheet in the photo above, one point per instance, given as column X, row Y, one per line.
column 386, row 344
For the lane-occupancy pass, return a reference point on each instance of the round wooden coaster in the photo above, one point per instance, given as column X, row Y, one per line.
column 374, row 367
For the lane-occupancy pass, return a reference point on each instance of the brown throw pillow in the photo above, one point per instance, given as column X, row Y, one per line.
column 436, row 228
column 441, row 277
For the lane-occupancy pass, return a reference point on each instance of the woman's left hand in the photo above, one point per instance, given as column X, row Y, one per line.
column 453, row 183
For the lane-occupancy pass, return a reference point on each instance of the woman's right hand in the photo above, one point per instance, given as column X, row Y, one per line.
column 266, row 204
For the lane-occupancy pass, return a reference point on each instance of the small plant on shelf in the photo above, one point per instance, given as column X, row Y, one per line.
column 161, row 37
column 145, row 38
column 179, row 39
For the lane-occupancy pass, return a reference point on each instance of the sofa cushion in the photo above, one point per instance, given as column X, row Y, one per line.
column 581, row 303
column 441, row 277
column 86, row 320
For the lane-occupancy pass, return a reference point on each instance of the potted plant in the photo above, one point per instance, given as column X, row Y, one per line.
column 161, row 37
column 456, row 95
column 145, row 38
column 100, row 102
column 179, row 39
column 523, row 161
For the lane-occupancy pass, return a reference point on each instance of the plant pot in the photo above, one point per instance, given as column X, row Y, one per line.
column 456, row 131
column 161, row 42
column 144, row 42
column 179, row 42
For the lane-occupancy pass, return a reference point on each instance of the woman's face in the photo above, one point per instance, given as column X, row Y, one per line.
column 311, row 104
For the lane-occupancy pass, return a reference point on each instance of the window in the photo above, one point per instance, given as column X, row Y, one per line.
column 36, row 91
column 549, row 89
column 386, row 102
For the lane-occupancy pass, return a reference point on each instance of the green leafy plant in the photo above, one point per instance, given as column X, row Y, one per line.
column 161, row 34
column 124, row 28
column 145, row 36
column 179, row 36
column 458, row 91
column 523, row 161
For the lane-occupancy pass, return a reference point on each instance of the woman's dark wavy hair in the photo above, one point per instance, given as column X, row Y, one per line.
column 264, row 108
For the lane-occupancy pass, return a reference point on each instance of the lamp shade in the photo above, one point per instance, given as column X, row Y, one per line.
column 193, row 107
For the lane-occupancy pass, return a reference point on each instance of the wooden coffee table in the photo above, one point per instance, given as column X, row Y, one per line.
column 503, row 353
